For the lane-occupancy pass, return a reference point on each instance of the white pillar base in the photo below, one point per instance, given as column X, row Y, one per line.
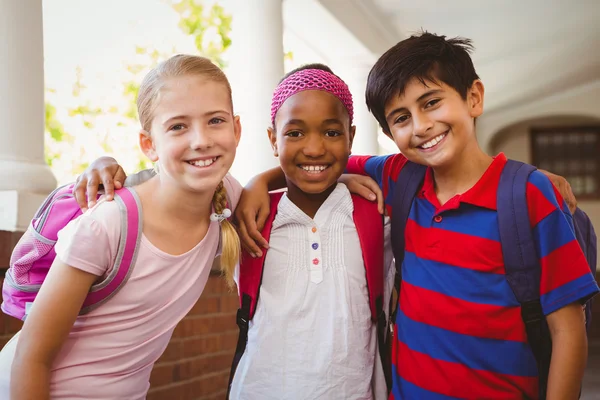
column 17, row 208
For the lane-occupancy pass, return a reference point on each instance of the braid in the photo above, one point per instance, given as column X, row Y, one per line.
column 230, row 247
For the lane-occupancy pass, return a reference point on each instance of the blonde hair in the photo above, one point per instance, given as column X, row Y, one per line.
column 148, row 97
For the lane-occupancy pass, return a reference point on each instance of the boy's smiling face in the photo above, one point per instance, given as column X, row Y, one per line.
column 312, row 139
column 432, row 124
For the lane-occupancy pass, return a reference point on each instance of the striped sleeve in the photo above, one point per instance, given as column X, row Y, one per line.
column 566, row 276
column 383, row 169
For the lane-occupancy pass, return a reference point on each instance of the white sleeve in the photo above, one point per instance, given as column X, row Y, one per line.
column 389, row 264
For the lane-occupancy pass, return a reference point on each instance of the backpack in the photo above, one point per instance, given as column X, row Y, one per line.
column 34, row 253
column 369, row 225
column 522, row 267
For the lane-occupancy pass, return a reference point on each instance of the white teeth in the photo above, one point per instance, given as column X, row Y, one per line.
column 433, row 141
column 314, row 169
column 203, row 163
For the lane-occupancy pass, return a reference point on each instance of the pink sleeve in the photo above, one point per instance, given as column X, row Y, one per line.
column 90, row 242
column 234, row 190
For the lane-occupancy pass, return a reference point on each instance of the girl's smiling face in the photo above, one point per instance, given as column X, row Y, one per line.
column 194, row 134
column 312, row 138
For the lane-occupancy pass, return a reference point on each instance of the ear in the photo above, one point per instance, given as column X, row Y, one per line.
column 475, row 98
column 237, row 129
column 273, row 139
column 147, row 146
column 351, row 137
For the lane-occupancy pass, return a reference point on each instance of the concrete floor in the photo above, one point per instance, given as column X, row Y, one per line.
column 591, row 381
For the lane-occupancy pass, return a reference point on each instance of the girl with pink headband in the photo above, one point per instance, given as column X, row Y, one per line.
column 313, row 332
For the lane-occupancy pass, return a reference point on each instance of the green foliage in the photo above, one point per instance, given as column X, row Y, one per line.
column 68, row 154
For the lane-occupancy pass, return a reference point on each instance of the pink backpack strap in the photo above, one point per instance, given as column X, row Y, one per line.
column 131, row 228
column 251, row 273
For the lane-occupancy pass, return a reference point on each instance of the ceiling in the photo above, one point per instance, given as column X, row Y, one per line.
column 525, row 49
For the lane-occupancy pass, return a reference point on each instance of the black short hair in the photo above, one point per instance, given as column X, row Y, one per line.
column 320, row 66
column 426, row 57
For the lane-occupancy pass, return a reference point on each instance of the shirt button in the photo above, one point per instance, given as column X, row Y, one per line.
column 315, row 246
column 314, row 229
column 316, row 261
column 437, row 218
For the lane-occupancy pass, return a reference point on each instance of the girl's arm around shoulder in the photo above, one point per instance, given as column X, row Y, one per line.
column 47, row 326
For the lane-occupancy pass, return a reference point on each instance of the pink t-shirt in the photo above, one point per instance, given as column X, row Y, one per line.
column 110, row 352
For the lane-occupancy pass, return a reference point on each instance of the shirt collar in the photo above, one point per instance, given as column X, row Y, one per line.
column 482, row 194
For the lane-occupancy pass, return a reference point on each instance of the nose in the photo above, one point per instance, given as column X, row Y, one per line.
column 421, row 123
column 200, row 139
column 314, row 146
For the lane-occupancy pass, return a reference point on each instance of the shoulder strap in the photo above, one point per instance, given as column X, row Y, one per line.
column 131, row 228
column 409, row 181
column 521, row 264
column 369, row 226
column 249, row 287
column 586, row 236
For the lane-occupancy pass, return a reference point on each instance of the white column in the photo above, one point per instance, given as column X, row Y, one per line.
column 25, row 179
column 355, row 75
column 255, row 68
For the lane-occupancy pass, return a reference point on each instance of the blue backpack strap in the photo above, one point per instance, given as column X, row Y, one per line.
column 521, row 264
column 409, row 181
column 249, row 288
column 588, row 241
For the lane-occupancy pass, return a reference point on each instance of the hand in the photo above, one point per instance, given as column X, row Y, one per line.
column 564, row 188
column 103, row 171
column 364, row 186
column 250, row 214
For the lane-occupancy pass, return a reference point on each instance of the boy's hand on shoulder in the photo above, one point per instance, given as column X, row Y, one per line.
column 365, row 187
column 564, row 188
column 103, row 171
column 251, row 214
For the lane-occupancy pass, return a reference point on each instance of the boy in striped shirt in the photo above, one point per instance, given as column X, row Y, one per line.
column 459, row 328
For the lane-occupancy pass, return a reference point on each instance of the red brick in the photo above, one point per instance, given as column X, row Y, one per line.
column 11, row 324
column 230, row 304
column 173, row 392
column 206, row 305
column 174, row 351
column 162, row 375
column 201, row 345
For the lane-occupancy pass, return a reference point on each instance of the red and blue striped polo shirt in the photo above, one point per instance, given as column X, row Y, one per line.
column 459, row 327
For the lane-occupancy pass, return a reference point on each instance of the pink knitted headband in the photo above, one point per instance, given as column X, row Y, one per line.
column 311, row 79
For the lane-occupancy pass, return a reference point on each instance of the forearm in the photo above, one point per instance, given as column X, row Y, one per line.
column 29, row 381
column 274, row 178
column 569, row 358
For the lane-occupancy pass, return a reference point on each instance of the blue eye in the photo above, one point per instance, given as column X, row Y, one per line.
column 177, row 127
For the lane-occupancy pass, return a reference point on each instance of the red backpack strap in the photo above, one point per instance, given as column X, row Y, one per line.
column 250, row 279
column 369, row 225
column 131, row 228
column 251, row 269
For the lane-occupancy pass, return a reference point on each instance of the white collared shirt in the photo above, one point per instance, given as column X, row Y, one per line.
column 312, row 336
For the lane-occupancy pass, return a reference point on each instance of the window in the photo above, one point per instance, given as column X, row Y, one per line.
column 571, row 152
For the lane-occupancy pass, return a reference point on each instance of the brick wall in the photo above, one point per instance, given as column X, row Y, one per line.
column 197, row 361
